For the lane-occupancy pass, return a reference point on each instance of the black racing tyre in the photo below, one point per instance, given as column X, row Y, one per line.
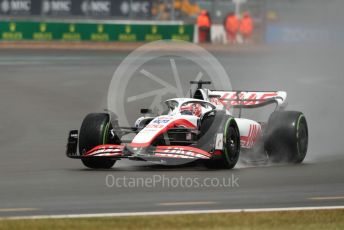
column 286, row 137
column 95, row 130
column 221, row 123
column 231, row 144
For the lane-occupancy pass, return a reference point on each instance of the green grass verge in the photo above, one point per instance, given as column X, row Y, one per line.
column 325, row 219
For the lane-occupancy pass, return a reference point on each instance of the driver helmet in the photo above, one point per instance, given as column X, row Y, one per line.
column 191, row 109
column 186, row 109
column 197, row 109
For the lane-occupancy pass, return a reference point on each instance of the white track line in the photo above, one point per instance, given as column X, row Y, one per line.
column 187, row 203
column 327, row 198
column 17, row 209
column 126, row 214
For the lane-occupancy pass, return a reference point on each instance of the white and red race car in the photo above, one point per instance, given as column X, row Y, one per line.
column 200, row 128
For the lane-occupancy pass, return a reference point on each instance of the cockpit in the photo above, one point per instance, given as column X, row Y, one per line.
column 184, row 106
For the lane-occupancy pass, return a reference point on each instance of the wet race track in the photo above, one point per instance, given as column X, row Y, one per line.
column 44, row 94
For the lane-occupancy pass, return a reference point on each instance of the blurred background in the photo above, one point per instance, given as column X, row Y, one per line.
column 224, row 21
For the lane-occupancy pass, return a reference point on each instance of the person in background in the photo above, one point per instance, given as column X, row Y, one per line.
column 231, row 24
column 246, row 27
column 203, row 24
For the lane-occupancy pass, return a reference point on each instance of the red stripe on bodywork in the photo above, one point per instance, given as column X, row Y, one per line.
column 252, row 137
column 249, row 136
column 106, row 149
column 184, row 148
column 253, row 134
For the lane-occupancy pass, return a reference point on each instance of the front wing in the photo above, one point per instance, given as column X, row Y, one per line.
column 115, row 151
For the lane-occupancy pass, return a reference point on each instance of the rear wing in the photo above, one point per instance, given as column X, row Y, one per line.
column 242, row 99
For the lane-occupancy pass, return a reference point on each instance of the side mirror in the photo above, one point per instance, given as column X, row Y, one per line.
column 145, row 111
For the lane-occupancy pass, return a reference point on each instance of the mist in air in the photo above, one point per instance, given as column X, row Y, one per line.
column 305, row 58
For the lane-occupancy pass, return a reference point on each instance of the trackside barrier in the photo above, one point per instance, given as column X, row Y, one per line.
column 97, row 32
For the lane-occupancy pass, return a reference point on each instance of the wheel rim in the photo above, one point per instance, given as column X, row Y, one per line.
column 232, row 144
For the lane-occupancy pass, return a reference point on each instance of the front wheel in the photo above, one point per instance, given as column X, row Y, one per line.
column 231, row 145
column 287, row 137
column 95, row 130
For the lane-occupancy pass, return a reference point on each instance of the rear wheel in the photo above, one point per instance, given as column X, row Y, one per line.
column 287, row 137
column 95, row 130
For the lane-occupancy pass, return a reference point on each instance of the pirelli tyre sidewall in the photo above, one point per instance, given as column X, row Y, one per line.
column 95, row 130
column 214, row 123
column 286, row 137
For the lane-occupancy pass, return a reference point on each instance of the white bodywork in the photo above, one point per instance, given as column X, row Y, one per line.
column 250, row 130
column 161, row 124
column 173, row 119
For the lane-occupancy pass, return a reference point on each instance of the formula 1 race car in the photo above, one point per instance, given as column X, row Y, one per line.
column 200, row 128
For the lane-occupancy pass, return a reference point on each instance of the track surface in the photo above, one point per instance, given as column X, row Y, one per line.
column 43, row 94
